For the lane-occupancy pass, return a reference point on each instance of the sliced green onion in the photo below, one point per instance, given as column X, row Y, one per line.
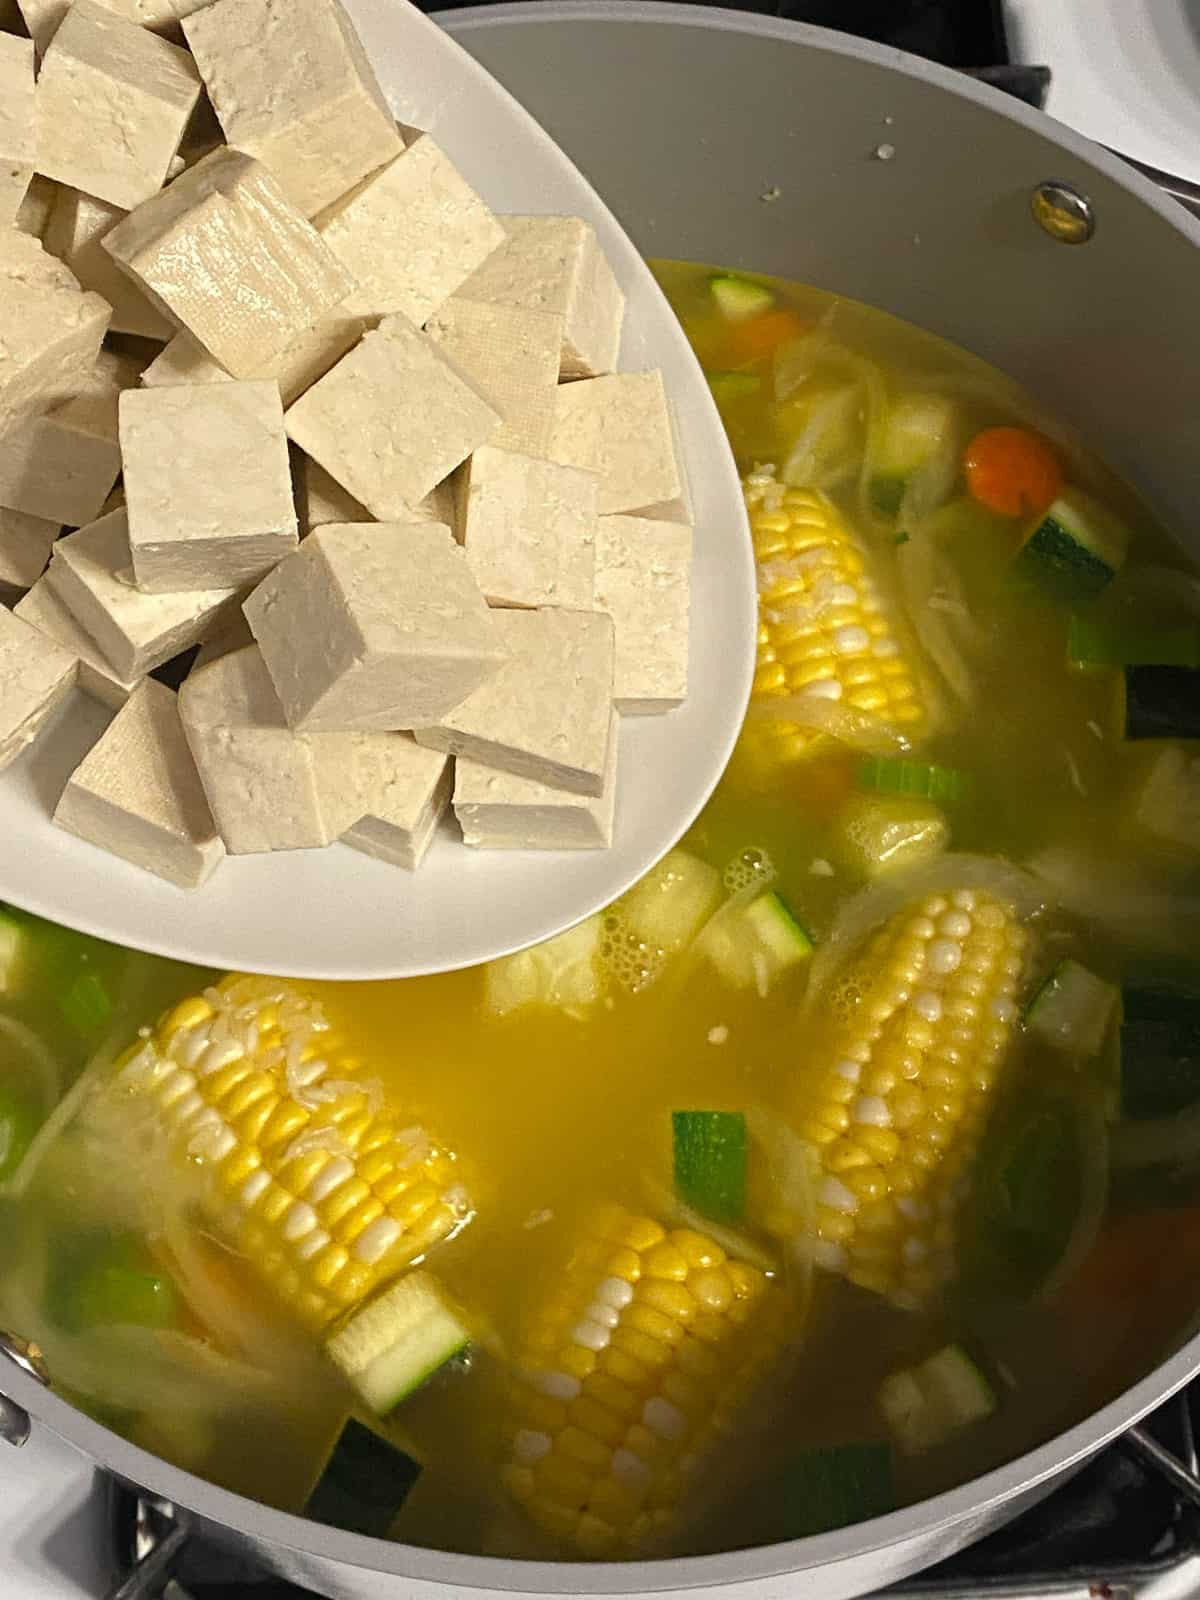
column 1096, row 644
column 710, row 1162
column 87, row 1005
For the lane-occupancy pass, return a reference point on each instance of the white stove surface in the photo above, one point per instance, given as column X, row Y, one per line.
column 1124, row 71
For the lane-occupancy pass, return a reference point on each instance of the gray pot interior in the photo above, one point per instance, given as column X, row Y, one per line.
column 694, row 116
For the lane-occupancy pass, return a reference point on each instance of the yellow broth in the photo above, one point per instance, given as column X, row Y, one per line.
column 551, row 1115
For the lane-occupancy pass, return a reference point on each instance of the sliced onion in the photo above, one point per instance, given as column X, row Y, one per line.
column 1139, row 907
column 792, row 1170
column 37, row 1056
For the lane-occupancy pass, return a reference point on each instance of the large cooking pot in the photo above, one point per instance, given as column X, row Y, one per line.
column 756, row 143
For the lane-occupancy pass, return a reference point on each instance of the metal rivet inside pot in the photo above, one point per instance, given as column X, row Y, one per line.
column 1063, row 213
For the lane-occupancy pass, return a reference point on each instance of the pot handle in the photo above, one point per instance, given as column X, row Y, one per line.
column 1182, row 189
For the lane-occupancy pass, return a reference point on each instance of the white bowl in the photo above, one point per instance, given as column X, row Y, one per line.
column 335, row 913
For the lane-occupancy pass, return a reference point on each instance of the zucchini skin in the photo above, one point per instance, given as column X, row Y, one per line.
column 1162, row 703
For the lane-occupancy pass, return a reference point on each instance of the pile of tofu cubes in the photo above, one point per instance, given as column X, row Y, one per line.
column 308, row 405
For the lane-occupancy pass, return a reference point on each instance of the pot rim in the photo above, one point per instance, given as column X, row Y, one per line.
column 927, row 1518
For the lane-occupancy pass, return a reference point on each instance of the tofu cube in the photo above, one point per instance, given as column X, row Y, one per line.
column 401, row 623
column 25, row 546
column 33, row 214
column 296, row 369
column 50, row 329
column 136, row 632
column 234, row 635
column 137, row 793
column 528, row 528
column 35, row 675
column 556, row 264
column 268, row 788
column 392, row 419
column 510, row 354
column 620, row 427
column 643, row 581
column 113, row 101
column 42, row 17
column 403, row 791
column 322, row 500
column 547, row 713
column 499, row 812
column 62, row 464
column 207, row 485
column 43, row 610
column 18, row 145
column 410, row 233
column 74, row 232
column 256, row 276
column 291, row 85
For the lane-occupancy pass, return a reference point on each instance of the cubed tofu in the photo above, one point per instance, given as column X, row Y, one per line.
column 207, row 485
column 392, row 419
column 620, row 427
column 401, row 623
column 42, row 17
column 321, row 499
column 268, row 787
column 137, row 793
column 404, row 792
column 410, row 233
column 235, row 635
column 50, row 329
column 113, row 101
column 136, row 632
column 33, row 214
column 43, row 610
column 308, row 358
column 292, row 86
column 256, row 276
column 556, row 264
column 528, row 528
column 499, row 812
column 510, row 354
column 74, row 229
column 547, row 713
column 17, row 136
column 25, row 545
column 36, row 674
column 62, row 464
column 643, row 581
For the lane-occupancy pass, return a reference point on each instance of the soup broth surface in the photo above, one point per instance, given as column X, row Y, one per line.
column 1075, row 1244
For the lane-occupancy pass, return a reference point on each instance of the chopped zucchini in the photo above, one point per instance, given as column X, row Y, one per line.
column 1093, row 643
column 915, row 429
column 925, row 1405
column 755, row 945
column 739, row 298
column 880, row 833
column 836, row 1487
column 710, row 1162
column 729, row 387
column 363, row 1484
column 102, row 1281
column 1162, row 703
column 896, row 775
column 86, row 1005
column 1160, row 1053
column 1073, row 1010
column 670, row 905
column 1076, row 549
column 13, row 937
column 565, row 974
column 1168, row 801
column 397, row 1341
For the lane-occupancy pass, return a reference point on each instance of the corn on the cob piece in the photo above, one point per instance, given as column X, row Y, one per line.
column 822, row 628
column 297, row 1162
column 913, row 1040
column 642, row 1362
